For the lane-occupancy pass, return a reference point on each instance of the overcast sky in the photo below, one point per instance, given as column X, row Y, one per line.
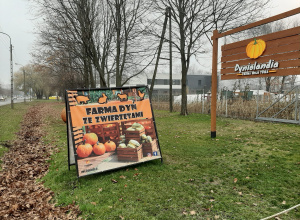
column 16, row 21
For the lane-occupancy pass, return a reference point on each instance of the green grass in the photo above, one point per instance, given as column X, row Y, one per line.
column 10, row 123
column 250, row 171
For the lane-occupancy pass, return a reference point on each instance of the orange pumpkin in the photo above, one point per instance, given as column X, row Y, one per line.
column 84, row 150
column 63, row 115
column 255, row 48
column 90, row 138
column 110, row 146
column 99, row 149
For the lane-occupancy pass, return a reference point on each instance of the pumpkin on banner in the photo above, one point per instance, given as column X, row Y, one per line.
column 84, row 150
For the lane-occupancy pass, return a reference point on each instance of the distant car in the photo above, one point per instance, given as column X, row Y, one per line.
column 2, row 98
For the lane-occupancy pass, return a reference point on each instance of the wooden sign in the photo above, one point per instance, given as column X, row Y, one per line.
column 275, row 54
column 110, row 128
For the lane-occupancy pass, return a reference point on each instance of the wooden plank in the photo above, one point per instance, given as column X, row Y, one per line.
column 282, row 64
column 280, row 72
column 78, row 132
column 258, row 23
column 77, row 141
column 266, row 37
column 77, row 136
column 92, row 161
column 286, row 44
column 77, row 128
column 270, row 52
column 128, row 150
column 277, row 57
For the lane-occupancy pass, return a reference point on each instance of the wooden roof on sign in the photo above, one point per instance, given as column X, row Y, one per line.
column 282, row 47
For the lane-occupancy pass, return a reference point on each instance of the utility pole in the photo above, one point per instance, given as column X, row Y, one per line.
column 159, row 51
column 24, row 86
column 11, row 78
column 170, row 51
column 11, row 71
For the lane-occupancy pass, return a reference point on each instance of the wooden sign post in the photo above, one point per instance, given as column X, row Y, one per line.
column 276, row 54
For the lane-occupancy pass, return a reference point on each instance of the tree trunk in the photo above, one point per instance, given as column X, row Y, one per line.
column 184, row 67
column 268, row 83
column 118, row 55
column 282, row 84
column 184, row 110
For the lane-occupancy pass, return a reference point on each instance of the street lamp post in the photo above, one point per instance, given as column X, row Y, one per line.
column 11, row 71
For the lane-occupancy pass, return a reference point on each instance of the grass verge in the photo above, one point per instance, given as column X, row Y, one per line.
column 10, row 123
column 250, row 171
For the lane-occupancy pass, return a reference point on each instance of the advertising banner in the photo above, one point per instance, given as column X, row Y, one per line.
column 275, row 54
column 110, row 128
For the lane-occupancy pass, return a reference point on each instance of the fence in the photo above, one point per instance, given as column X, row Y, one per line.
column 239, row 106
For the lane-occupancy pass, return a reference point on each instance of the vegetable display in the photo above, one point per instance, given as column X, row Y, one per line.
column 90, row 138
column 110, row 146
column 135, row 127
column 84, row 150
column 99, row 149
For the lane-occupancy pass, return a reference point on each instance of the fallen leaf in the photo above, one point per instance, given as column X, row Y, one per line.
column 235, row 180
column 217, row 216
column 240, row 193
column 100, row 190
column 247, row 177
column 283, row 202
column 93, row 203
column 114, row 181
column 193, row 212
column 123, row 177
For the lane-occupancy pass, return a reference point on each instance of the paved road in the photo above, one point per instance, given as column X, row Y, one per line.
column 8, row 101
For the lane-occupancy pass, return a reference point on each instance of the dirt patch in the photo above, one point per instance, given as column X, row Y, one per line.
column 21, row 196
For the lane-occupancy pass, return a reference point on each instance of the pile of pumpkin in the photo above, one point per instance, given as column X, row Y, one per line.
column 91, row 144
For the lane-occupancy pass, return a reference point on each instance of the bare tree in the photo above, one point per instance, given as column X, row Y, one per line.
column 107, row 37
column 133, row 46
column 193, row 21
